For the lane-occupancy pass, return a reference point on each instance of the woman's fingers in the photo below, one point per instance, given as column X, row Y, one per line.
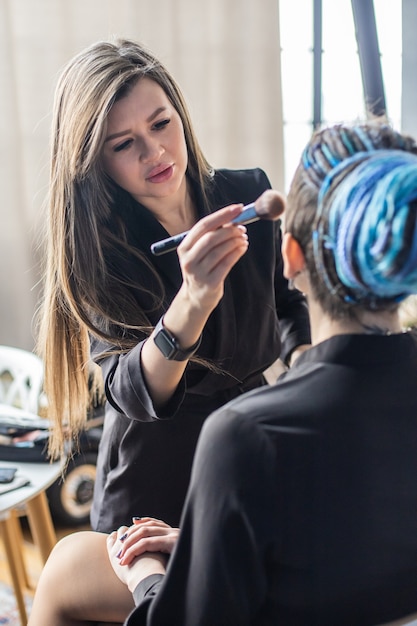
column 207, row 263
column 155, row 543
column 145, row 535
column 211, row 222
column 213, row 230
column 146, row 530
column 212, row 240
column 113, row 550
column 214, row 255
column 208, row 253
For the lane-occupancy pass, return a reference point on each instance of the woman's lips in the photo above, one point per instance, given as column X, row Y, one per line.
column 160, row 174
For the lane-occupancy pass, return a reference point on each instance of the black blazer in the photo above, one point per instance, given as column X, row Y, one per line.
column 145, row 457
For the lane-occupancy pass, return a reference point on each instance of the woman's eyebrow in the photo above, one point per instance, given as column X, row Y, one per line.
column 128, row 130
column 119, row 134
column 156, row 113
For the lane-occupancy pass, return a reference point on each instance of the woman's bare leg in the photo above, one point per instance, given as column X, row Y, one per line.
column 78, row 585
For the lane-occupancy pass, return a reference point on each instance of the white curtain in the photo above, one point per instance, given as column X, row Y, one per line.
column 224, row 54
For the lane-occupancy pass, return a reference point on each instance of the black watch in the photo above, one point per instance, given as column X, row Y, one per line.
column 169, row 346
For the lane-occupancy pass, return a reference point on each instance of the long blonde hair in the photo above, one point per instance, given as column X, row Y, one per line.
column 81, row 293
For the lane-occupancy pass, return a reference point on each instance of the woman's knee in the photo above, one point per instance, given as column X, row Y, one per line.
column 69, row 564
column 70, row 551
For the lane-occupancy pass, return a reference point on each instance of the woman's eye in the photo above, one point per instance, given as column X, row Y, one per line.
column 160, row 125
column 123, row 146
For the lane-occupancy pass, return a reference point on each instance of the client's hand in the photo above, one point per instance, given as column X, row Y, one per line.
column 139, row 567
column 146, row 535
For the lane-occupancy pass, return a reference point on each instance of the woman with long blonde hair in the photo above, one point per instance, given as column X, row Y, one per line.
column 175, row 336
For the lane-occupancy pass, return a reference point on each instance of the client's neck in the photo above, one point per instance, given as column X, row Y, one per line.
column 366, row 322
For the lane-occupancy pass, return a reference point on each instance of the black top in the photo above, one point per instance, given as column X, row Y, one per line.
column 145, row 457
column 303, row 499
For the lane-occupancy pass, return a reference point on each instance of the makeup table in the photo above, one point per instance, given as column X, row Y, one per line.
column 30, row 500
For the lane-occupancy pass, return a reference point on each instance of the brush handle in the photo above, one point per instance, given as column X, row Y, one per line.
column 168, row 245
column 247, row 216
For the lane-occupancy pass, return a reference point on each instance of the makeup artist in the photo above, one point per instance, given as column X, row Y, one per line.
column 175, row 336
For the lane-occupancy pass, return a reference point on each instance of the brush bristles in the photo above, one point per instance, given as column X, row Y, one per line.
column 270, row 205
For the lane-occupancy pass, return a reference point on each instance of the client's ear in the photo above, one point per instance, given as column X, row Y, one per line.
column 293, row 256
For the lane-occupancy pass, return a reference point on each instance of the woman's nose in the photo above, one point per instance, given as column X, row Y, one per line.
column 151, row 150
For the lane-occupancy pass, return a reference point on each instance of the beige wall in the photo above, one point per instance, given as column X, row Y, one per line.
column 223, row 53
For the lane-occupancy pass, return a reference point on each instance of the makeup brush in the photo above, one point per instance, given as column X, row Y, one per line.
column 269, row 206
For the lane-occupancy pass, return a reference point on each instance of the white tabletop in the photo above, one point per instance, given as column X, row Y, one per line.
column 21, row 417
column 41, row 476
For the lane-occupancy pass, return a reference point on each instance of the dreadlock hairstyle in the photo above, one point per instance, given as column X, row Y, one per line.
column 340, row 202
column 365, row 231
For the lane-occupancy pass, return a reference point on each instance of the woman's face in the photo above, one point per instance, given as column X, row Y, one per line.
column 145, row 151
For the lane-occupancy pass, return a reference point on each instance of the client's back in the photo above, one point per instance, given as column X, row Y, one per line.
column 344, row 427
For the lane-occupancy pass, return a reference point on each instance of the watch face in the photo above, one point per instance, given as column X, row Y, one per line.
column 169, row 346
column 164, row 343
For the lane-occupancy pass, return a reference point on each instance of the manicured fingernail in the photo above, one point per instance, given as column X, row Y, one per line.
column 119, row 554
column 123, row 537
column 135, row 519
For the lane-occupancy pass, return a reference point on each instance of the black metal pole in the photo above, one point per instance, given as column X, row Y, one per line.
column 369, row 56
column 317, row 62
